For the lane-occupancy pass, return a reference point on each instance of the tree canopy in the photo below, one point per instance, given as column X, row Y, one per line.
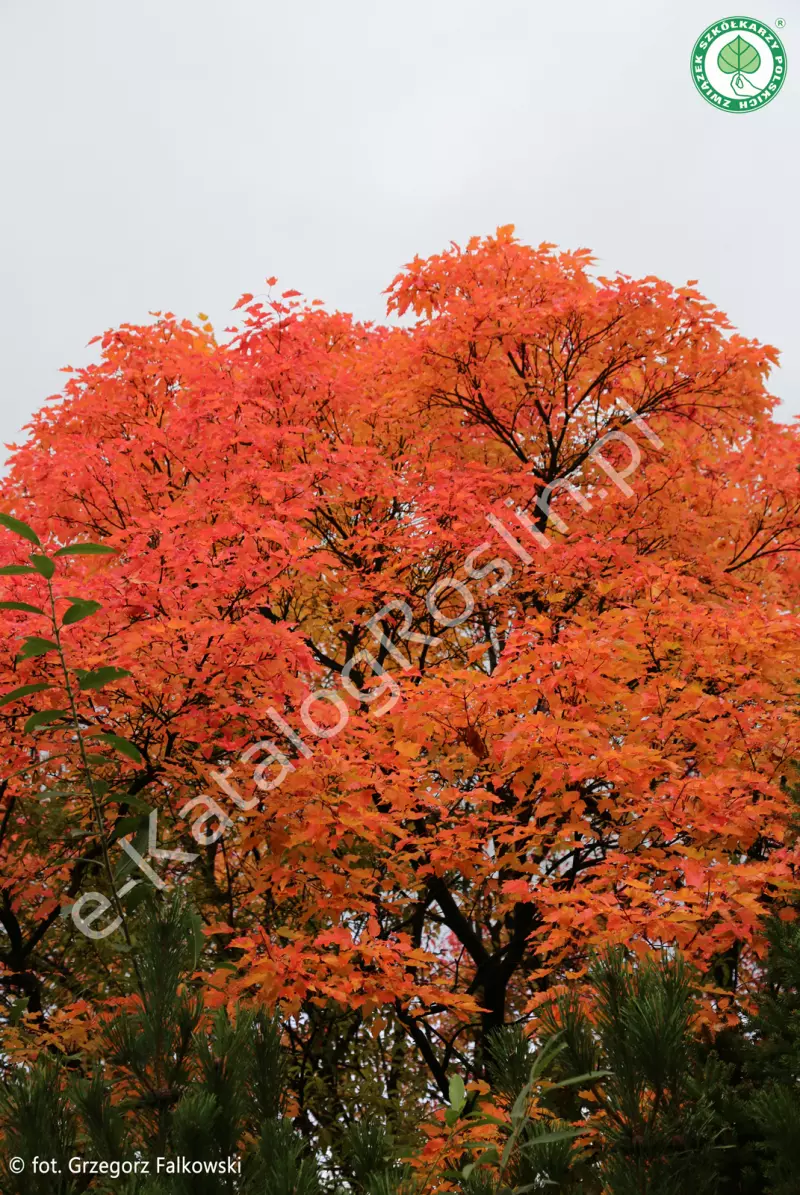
column 451, row 652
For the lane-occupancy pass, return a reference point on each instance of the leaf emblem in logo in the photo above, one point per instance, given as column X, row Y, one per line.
column 738, row 58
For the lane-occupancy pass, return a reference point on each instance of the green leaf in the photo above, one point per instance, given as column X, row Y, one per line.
column 102, row 676
column 85, row 550
column 44, row 718
column 35, row 646
column 591, row 1077
column 134, row 897
column 96, row 759
column 23, row 691
column 15, row 570
column 133, row 802
column 738, row 56
column 43, row 565
column 122, row 745
column 28, row 609
column 519, row 1110
column 18, row 1009
column 128, row 825
column 548, row 1138
column 457, row 1093
column 80, row 608
column 20, row 528
column 126, row 864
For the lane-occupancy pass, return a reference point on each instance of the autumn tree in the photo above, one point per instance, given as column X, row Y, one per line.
column 466, row 645
column 167, row 1080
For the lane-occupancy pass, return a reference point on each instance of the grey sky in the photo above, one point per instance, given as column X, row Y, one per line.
column 170, row 154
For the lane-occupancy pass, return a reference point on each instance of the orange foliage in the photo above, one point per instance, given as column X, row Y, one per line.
column 592, row 750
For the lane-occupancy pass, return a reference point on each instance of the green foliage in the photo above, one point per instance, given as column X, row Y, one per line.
column 368, row 1160
column 124, row 746
column 660, row 1133
column 19, row 528
column 35, row 645
column 173, row 1079
column 80, row 608
column 24, row 691
column 535, row 1152
column 44, row 565
column 37, row 1119
column 623, row 1061
column 760, row 1105
column 85, row 549
column 100, row 676
column 25, row 607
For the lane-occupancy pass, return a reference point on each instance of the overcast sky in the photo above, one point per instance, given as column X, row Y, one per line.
column 171, row 154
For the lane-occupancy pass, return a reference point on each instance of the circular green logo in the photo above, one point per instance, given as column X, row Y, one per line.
column 738, row 64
